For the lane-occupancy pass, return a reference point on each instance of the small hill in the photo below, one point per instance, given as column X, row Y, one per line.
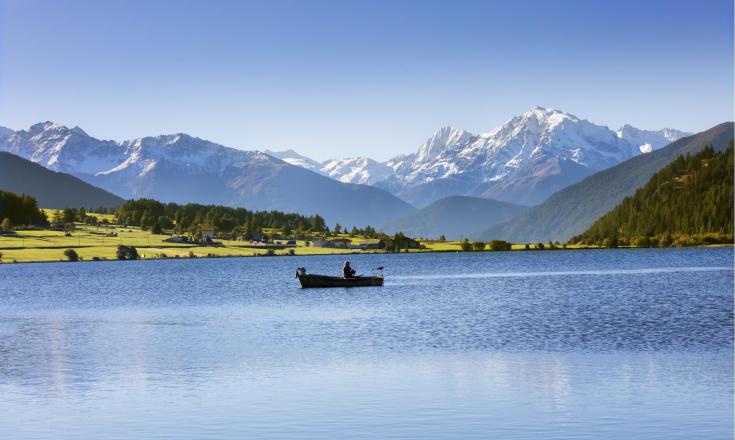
column 49, row 188
column 572, row 210
column 454, row 216
column 692, row 195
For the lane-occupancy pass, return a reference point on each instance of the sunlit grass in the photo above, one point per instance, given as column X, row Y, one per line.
column 50, row 212
column 102, row 241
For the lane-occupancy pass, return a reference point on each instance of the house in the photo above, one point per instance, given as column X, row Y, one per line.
column 375, row 243
column 399, row 243
column 207, row 233
column 339, row 243
column 255, row 236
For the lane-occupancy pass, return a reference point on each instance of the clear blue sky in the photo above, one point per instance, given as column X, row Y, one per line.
column 345, row 78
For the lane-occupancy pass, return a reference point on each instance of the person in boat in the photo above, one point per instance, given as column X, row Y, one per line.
column 347, row 271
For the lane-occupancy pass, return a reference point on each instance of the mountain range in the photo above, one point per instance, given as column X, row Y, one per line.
column 573, row 209
column 521, row 162
column 181, row 168
column 525, row 160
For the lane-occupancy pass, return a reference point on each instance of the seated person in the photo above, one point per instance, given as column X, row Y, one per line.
column 347, row 271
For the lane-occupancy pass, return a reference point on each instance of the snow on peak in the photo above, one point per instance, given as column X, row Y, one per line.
column 360, row 170
column 648, row 140
column 291, row 157
column 60, row 148
column 441, row 140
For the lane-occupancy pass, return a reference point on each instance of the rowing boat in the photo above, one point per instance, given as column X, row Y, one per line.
column 308, row 280
column 327, row 281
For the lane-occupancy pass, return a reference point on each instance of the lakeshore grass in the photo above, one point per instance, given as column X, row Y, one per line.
column 101, row 242
column 45, row 245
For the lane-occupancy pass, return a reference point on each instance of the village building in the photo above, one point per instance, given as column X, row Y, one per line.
column 207, row 233
column 337, row 243
column 375, row 243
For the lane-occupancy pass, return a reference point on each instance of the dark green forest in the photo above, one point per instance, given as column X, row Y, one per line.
column 148, row 213
column 690, row 201
column 20, row 209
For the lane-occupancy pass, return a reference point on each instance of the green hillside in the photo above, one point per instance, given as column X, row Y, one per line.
column 454, row 217
column 572, row 210
column 692, row 196
column 49, row 188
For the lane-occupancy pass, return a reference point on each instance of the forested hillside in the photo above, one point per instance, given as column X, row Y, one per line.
column 19, row 210
column 690, row 199
column 149, row 213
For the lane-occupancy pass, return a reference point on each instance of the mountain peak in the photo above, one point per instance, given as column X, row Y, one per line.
column 5, row 132
column 649, row 140
column 77, row 129
column 47, row 126
column 442, row 139
column 51, row 127
column 548, row 116
column 292, row 157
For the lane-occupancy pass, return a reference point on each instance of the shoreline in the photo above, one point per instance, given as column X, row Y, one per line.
column 437, row 251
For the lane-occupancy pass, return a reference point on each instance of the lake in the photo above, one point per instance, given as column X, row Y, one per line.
column 583, row 344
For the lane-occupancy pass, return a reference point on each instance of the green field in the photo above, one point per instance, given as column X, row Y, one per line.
column 93, row 241
column 101, row 242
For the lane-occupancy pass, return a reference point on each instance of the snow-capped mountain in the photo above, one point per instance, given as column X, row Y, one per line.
column 523, row 161
column 649, row 140
column 360, row 170
column 294, row 158
column 182, row 168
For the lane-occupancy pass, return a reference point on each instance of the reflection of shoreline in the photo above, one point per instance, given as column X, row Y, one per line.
column 646, row 271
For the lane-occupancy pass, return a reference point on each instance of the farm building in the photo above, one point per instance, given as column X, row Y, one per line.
column 207, row 233
column 338, row 243
column 375, row 243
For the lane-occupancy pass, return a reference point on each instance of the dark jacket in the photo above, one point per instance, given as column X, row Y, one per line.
column 347, row 271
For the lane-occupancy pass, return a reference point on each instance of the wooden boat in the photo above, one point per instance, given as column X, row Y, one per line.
column 308, row 280
column 327, row 281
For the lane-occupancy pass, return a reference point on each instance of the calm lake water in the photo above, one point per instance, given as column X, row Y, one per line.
column 522, row 345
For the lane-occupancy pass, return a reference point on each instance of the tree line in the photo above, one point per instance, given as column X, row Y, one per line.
column 18, row 209
column 152, row 214
column 690, row 201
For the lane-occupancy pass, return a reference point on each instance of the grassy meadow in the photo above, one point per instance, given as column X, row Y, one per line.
column 101, row 242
